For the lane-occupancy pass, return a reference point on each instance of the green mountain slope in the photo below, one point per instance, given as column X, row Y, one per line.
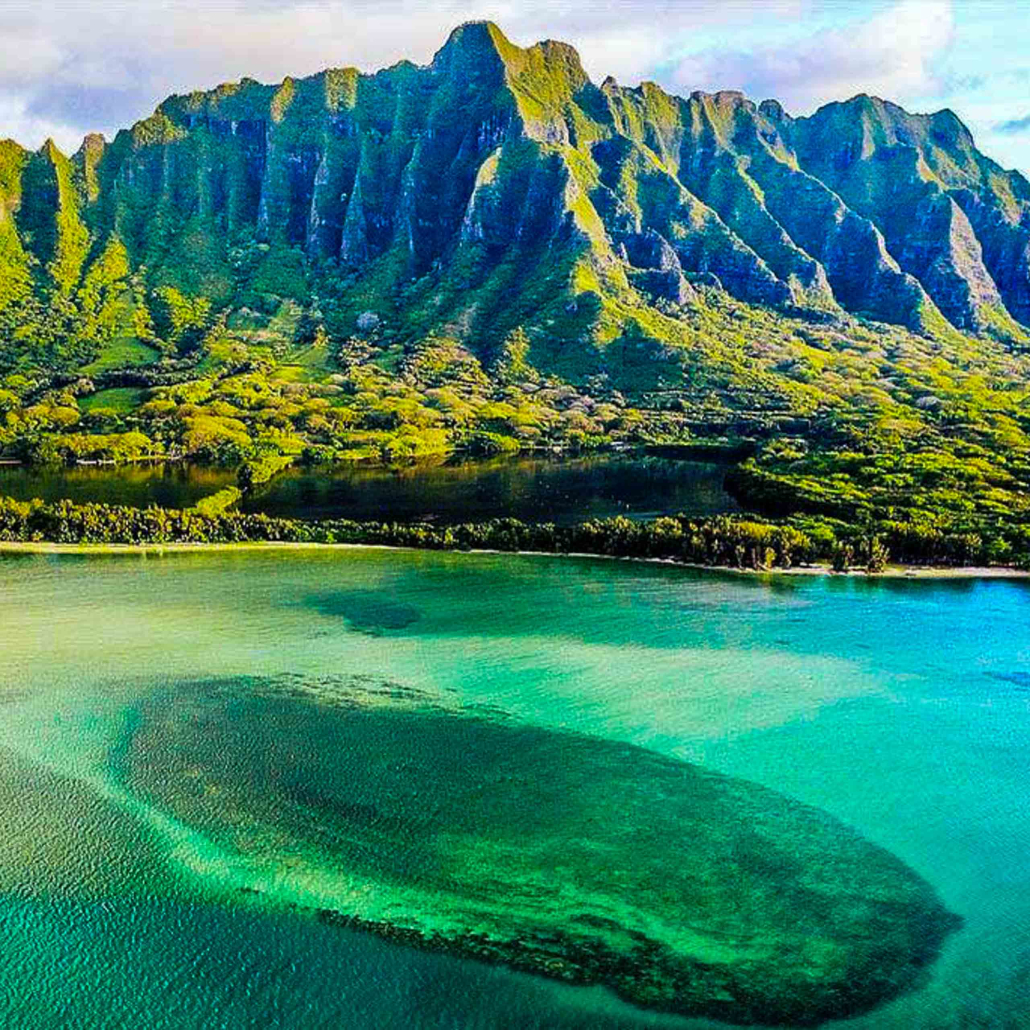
column 492, row 251
column 446, row 182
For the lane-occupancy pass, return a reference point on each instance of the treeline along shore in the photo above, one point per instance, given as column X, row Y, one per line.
column 726, row 541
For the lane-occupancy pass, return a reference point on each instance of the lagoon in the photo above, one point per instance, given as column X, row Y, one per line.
column 897, row 709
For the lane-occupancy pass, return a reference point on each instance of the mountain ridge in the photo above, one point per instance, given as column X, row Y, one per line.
column 491, row 253
column 860, row 208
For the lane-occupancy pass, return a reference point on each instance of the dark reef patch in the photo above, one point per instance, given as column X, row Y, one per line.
column 368, row 611
column 1018, row 679
column 577, row 858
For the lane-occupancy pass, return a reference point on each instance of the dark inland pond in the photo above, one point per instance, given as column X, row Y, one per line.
column 528, row 488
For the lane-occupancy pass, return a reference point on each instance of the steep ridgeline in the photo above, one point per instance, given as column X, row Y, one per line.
column 498, row 187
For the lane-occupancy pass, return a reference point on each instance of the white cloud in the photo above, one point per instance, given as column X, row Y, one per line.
column 72, row 66
column 17, row 124
column 98, row 67
column 27, row 54
column 893, row 54
column 85, row 66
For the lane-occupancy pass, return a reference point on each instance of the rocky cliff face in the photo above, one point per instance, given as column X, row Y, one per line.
column 949, row 215
column 499, row 178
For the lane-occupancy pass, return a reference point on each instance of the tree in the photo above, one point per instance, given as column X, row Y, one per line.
column 512, row 362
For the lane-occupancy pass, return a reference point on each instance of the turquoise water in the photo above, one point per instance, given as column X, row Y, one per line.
column 900, row 708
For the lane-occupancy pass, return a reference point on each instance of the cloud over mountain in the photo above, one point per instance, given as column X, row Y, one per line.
column 891, row 54
column 69, row 67
column 1015, row 126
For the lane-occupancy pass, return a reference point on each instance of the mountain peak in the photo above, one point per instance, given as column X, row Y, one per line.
column 477, row 46
column 495, row 154
column 773, row 110
column 92, row 142
column 474, row 31
column 470, row 42
column 50, row 150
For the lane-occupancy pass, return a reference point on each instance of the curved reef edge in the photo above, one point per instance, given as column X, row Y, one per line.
column 384, row 809
column 642, row 978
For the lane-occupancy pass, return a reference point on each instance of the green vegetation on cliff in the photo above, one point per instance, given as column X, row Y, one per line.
column 491, row 253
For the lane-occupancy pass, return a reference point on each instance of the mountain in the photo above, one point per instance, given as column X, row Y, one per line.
column 425, row 194
column 492, row 252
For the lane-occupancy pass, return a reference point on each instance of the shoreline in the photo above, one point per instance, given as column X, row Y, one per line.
column 892, row 572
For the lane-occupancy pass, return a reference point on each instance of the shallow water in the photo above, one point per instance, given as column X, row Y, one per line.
column 531, row 488
column 900, row 708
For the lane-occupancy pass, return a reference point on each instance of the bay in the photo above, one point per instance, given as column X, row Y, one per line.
column 900, row 708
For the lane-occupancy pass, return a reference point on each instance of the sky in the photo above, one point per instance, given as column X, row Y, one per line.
column 68, row 67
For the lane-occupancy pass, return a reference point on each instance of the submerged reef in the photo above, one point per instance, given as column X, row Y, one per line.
column 578, row 858
column 366, row 611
